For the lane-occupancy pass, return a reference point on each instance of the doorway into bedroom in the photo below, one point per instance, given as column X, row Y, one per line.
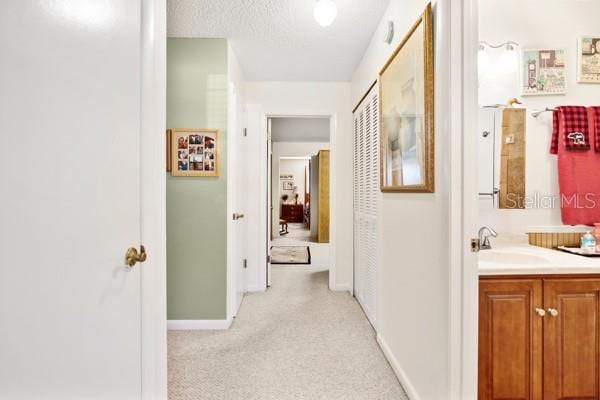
column 293, row 192
column 299, row 192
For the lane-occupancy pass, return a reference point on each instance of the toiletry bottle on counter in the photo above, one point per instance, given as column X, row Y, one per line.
column 597, row 235
column 588, row 243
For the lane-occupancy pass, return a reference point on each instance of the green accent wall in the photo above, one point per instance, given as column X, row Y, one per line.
column 197, row 207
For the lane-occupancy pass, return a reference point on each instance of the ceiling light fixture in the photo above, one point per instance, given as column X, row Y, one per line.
column 325, row 12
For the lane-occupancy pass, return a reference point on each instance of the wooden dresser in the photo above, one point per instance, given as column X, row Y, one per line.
column 292, row 212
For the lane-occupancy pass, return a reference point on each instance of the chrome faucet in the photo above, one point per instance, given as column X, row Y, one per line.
column 484, row 240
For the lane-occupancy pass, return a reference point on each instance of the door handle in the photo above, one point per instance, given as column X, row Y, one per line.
column 237, row 216
column 553, row 312
column 132, row 256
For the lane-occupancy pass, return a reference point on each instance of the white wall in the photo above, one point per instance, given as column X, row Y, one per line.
column 306, row 99
column 298, row 170
column 290, row 149
column 413, row 281
column 537, row 24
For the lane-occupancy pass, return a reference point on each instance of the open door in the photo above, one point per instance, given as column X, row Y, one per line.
column 237, row 187
column 70, row 304
column 269, row 200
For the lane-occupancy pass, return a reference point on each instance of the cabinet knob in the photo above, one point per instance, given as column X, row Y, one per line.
column 553, row 312
column 540, row 311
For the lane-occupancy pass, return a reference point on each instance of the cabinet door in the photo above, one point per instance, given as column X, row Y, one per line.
column 510, row 339
column 571, row 335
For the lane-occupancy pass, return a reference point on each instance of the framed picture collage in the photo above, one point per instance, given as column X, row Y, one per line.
column 193, row 152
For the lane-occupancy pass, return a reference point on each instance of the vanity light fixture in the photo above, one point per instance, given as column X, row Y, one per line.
column 507, row 62
column 325, row 12
column 509, row 46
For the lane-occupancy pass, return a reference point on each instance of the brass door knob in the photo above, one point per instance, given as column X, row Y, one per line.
column 132, row 256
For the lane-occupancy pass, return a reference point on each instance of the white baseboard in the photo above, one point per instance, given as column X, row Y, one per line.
column 342, row 287
column 255, row 289
column 198, row 324
column 408, row 387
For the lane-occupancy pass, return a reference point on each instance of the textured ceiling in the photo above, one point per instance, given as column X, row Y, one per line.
column 300, row 129
column 279, row 40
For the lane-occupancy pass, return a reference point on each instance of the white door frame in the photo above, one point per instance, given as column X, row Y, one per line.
column 263, row 204
column 153, row 198
column 464, row 276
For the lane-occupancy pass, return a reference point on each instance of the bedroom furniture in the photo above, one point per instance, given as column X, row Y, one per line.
column 283, row 230
column 292, row 212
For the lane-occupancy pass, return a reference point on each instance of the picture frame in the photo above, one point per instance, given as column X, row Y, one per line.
column 406, row 112
column 194, row 152
column 543, row 72
column 288, row 185
column 588, row 59
column 168, row 149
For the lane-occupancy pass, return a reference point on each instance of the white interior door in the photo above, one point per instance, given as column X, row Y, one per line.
column 70, row 183
column 237, row 198
column 242, row 199
column 366, row 202
column 270, row 202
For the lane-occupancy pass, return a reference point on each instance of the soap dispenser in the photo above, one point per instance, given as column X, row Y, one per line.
column 588, row 243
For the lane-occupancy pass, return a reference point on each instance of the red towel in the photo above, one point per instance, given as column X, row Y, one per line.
column 577, row 180
column 570, row 126
column 596, row 126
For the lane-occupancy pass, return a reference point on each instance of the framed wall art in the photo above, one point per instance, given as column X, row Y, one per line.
column 544, row 72
column 168, row 148
column 406, row 110
column 588, row 60
column 194, row 152
column 288, row 185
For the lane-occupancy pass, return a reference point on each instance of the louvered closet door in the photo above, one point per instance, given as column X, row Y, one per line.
column 366, row 202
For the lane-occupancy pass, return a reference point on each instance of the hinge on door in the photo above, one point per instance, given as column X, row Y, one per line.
column 268, row 259
column 475, row 245
column 245, row 263
column 245, row 132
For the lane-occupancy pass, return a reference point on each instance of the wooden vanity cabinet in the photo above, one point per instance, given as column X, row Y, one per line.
column 571, row 335
column 510, row 339
column 539, row 338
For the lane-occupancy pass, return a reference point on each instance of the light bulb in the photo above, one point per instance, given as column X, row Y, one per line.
column 325, row 12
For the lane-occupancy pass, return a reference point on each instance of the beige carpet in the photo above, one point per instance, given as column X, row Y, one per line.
column 290, row 255
column 298, row 340
column 296, row 231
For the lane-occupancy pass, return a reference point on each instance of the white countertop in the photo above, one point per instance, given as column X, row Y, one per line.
column 512, row 255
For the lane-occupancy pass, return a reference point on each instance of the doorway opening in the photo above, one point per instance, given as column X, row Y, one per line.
column 298, row 193
column 293, row 194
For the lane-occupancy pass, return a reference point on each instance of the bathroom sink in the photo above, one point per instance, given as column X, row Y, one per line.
column 518, row 258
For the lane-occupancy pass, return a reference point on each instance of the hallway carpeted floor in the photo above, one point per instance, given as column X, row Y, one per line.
column 298, row 340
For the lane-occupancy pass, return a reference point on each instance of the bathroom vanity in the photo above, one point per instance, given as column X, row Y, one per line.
column 539, row 324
